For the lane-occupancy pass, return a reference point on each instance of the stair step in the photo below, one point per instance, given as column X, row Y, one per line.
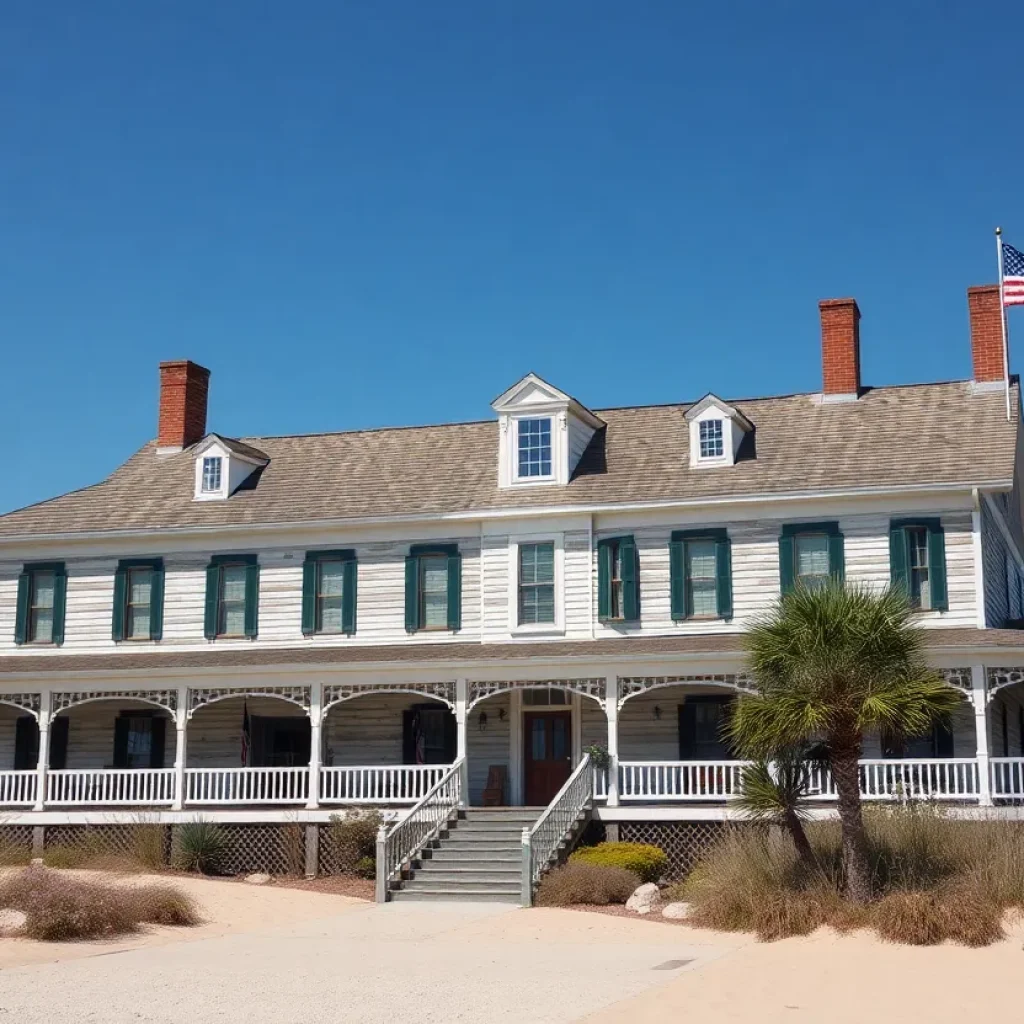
column 486, row 828
column 474, row 856
column 445, row 895
column 461, row 877
column 485, row 846
column 441, row 886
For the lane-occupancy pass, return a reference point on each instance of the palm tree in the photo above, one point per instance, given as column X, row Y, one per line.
column 832, row 663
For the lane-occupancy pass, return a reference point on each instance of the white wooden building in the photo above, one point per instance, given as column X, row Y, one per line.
column 277, row 627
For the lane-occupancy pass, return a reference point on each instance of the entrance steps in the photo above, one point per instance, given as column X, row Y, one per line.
column 478, row 857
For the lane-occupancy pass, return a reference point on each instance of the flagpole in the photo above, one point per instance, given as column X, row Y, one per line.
column 1002, row 320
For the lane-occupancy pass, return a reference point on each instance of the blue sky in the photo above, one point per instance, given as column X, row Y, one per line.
column 380, row 214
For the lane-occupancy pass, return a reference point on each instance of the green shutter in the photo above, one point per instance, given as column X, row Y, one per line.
column 60, row 600
column 677, row 577
column 836, row 554
column 412, row 584
column 309, row 568
column 455, row 591
column 899, row 562
column 156, row 602
column 212, row 598
column 723, row 583
column 120, row 600
column 937, row 566
column 252, row 598
column 159, row 742
column 122, row 727
column 21, row 619
column 605, row 553
column 348, row 597
column 786, row 566
column 630, row 579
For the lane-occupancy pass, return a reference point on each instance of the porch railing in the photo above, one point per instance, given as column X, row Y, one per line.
column 541, row 842
column 1007, row 778
column 679, row 780
column 18, row 789
column 401, row 784
column 205, row 786
column 423, row 822
column 140, row 787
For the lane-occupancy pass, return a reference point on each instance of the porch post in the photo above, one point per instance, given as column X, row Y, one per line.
column 43, row 760
column 461, row 719
column 180, row 748
column 611, row 710
column 315, row 704
column 979, row 698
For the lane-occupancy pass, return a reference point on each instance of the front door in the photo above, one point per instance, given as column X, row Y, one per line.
column 547, row 760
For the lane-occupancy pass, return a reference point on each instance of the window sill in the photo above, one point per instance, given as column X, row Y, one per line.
column 230, row 636
column 342, row 635
column 540, row 629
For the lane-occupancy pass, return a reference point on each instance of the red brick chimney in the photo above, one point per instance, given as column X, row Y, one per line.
column 183, row 389
column 986, row 333
column 840, row 348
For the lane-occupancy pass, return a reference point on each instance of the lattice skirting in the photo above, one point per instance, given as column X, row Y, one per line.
column 274, row 849
column 147, row 842
column 15, row 844
column 683, row 841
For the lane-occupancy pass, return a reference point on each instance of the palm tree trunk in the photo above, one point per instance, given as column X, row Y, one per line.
column 856, row 861
column 795, row 827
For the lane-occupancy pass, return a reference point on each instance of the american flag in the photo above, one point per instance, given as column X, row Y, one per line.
column 1013, row 276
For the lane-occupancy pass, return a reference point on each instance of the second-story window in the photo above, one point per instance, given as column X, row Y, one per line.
column 40, row 609
column 534, row 448
column 917, row 562
column 231, row 601
column 232, row 596
column 537, row 584
column 810, row 554
column 138, row 599
column 211, row 474
column 618, row 591
column 329, row 592
column 700, row 574
column 701, row 579
column 917, row 567
column 39, row 619
column 812, row 569
column 712, row 445
column 433, row 588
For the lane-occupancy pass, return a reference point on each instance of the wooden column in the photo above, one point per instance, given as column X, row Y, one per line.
column 979, row 698
column 315, row 752
column 180, row 748
column 461, row 723
column 43, row 760
column 611, row 710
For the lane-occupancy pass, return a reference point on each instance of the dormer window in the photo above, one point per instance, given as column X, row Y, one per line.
column 211, row 474
column 534, row 446
column 711, row 444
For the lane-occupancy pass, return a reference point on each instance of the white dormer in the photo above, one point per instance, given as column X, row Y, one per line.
column 544, row 432
column 222, row 464
column 716, row 432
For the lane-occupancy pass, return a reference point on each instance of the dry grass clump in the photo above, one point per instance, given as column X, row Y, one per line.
column 935, row 879
column 62, row 908
column 580, row 882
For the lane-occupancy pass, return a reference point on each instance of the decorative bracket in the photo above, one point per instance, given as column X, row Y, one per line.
column 298, row 695
column 61, row 700
column 337, row 693
column 592, row 687
column 631, row 686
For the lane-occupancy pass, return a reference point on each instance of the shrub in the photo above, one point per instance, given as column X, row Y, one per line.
column 365, row 867
column 581, row 882
column 355, row 839
column 60, row 908
column 648, row 862
column 201, row 846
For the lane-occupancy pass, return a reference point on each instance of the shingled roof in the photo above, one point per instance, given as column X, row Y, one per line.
column 891, row 437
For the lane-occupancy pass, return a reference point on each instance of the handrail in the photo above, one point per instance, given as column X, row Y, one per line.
column 418, row 827
column 558, row 819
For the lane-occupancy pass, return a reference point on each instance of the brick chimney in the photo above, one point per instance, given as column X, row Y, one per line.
column 840, row 349
column 183, row 390
column 986, row 333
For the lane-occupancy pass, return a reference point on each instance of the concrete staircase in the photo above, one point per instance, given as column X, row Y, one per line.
column 479, row 857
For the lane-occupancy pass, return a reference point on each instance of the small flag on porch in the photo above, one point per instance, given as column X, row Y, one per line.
column 246, row 734
column 1013, row 276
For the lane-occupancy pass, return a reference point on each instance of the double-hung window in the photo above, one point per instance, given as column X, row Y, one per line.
column 138, row 599
column 810, row 554
column 211, row 474
column 329, row 593
column 533, row 448
column 712, row 443
column 232, row 596
column 700, row 569
column 537, row 583
column 433, row 587
column 618, row 598
column 42, row 590
column 139, row 740
column 917, row 562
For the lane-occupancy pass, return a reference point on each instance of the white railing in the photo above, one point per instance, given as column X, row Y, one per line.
column 1007, row 777
column 18, row 789
column 364, row 784
column 206, row 786
column 933, row 778
column 601, row 783
column 679, row 780
column 142, row 787
column 423, row 822
column 541, row 842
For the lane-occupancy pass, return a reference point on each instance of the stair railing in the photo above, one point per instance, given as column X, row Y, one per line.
column 541, row 842
column 426, row 819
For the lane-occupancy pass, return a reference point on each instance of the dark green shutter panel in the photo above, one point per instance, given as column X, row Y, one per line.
column 451, row 737
column 937, row 567
column 21, row 620
column 786, row 556
column 60, row 600
column 455, row 591
column 630, row 580
column 120, row 600
column 309, row 570
column 252, row 599
column 122, row 726
column 156, row 603
column 212, row 596
column 604, row 580
column 723, row 572
column 59, row 742
column 412, row 582
column 677, row 575
column 899, row 572
column 156, row 750
column 687, row 729
column 836, row 556
column 348, row 597
column 408, row 736
column 26, row 743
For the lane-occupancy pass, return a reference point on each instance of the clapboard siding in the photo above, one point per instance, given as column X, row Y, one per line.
column 489, row 746
column 579, row 437
column 91, row 732
column 215, row 730
column 8, row 717
column 994, row 556
column 368, row 730
column 1012, row 699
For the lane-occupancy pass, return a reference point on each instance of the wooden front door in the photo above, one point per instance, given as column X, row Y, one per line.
column 547, row 759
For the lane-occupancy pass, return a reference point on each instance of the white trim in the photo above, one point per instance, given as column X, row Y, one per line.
column 979, row 561
column 557, row 628
column 1004, row 529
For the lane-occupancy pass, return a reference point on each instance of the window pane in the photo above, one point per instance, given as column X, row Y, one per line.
column 812, row 555
column 538, row 746
column 330, row 615
column 140, row 742
column 534, row 447
column 559, row 738
column 138, row 621
column 434, row 590
column 42, row 625
column 701, row 557
column 233, row 583
column 704, row 599
column 211, row 474
column 140, row 583
column 537, row 563
column 331, row 576
column 234, row 620
column 711, row 444
column 42, row 589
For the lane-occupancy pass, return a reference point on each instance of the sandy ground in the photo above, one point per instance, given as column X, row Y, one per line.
column 287, row 955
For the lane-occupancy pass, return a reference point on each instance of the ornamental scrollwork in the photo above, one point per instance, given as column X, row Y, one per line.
column 593, row 687
column 198, row 698
column 63, row 699
column 631, row 686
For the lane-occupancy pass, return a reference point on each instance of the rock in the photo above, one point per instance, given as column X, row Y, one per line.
column 644, row 899
column 12, row 922
column 259, row 878
column 676, row 911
